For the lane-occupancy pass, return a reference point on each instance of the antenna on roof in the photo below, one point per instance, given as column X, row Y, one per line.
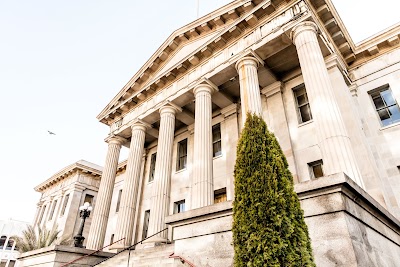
column 197, row 8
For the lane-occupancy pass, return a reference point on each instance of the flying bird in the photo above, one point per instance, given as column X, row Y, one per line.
column 51, row 132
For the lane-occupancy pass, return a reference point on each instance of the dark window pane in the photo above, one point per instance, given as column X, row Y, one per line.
column 182, row 155
column 152, row 166
column 394, row 113
column 216, row 133
column 301, row 100
column 305, row 113
column 118, row 200
column 384, row 114
column 317, row 170
column 378, row 102
column 146, row 223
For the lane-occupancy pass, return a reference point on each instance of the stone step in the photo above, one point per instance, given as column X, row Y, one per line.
column 157, row 256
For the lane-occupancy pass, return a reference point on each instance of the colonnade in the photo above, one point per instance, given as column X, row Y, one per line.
column 334, row 142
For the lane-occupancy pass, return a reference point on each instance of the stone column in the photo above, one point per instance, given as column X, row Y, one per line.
column 249, row 87
column 100, row 214
column 202, row 183
column 333, row 139
column 162, row 181
column 127, row 208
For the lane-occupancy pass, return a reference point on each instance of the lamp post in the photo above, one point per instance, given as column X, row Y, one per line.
column 84, row 212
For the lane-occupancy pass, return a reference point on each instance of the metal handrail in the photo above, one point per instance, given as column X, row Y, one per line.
column 182, row 259
column 87, row 255
column 129, row 248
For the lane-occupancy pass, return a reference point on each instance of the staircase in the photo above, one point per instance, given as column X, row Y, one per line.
column 157, row 256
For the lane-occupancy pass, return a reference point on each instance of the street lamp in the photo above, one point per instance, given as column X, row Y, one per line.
column 84, row 212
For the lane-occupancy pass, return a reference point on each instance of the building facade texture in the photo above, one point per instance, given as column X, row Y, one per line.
column 333, row 106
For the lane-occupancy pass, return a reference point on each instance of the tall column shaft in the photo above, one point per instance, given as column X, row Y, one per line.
column 333, row 139
column 249, row 87
column 127, row 208
column 202, row 184
column 162, row 180
column 101, row 212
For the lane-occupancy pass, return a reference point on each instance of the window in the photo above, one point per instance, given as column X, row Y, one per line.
column 179, row 206
column 182, row 155
column 112, row 239
column 216, row 136
column 89, row 199
column 10, row 244
column 66, row 198
column 52, row 210
column 303, row 106
column 146, row 223
column 220, row 195
column 386, row 106
column 118, row 200
column 152, row 166
column 2, row 241
column 316, row 169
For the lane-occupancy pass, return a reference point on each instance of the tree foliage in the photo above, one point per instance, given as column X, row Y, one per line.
column 268, row 225
column 35, row 238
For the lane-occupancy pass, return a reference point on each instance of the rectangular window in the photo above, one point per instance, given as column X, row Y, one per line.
column 316, row 169
column 216, row 136
column 220, row 195
column 89, row 199
column 152, row 166
column 182, row 155
column 386, row 106
column 303, row 106
column 66, row 198
column 118, row 200
column 146, row 223
column 52, row 210
column 112, row 239
column 179, row 206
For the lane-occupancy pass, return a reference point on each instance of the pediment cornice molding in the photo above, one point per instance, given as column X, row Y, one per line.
column 142, row 84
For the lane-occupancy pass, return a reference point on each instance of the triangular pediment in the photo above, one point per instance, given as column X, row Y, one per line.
column 171, row 59
column 184, row 51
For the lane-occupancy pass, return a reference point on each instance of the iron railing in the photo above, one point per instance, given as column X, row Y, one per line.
column 130, row 248
column 91, row 253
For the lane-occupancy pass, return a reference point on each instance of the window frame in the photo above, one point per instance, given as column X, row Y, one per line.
column 295, row 90
column 66, row 199
column 216, row 141
column 152, row 170
column 118, row 201
column 146, row 222
column 217, row 195
column 313, row 164
column 375, row 93
column 53, row 208
column 180, row 157
column 178, row 206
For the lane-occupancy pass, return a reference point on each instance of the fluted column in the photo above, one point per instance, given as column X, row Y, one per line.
column 202, row 183
column 101, row 212
column 249, row 87
column 337, row 153
column 162, row 180
column 127, row 208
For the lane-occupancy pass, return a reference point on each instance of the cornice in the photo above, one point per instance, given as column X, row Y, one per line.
column 82, row 165
column 143, row 84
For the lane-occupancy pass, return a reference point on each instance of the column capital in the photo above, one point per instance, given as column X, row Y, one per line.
column 140, row 125
column 303, row 26
column 205, row 85
column 169, row 107
column 115, row 140
column 247, row 61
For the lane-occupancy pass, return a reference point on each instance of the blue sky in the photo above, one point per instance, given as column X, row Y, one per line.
column 61, row 62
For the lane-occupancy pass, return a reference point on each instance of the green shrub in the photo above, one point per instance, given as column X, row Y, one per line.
column 268, row 222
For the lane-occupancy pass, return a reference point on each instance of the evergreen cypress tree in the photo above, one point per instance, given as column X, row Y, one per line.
column 268, row 222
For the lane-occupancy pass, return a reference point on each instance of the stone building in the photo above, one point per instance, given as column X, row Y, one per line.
column 8, row 248
column 332, row 104
column 63, row 194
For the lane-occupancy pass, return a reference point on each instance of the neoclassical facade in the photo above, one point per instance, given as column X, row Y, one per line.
column 332, row 104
